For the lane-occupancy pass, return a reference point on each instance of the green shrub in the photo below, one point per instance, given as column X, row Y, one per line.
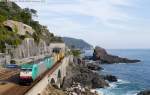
column 8, row 37
column 76, row 53
column 2, row 18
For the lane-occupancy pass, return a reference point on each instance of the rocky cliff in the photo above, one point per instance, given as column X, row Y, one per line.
column 101, row 54
column 82, row 76
column 85, row 74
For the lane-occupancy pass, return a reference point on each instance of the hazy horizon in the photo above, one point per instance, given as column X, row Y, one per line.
column 115, row 24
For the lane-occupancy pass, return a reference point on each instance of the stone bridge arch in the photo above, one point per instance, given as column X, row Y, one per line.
column 52, row 81
column 59, row 79
column 59, row 74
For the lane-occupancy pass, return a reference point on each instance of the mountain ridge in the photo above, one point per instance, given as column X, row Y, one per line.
column 76, row 43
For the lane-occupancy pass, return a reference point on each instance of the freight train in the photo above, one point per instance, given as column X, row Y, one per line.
column 30, row 72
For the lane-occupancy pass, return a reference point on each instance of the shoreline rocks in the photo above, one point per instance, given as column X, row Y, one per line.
column 80, row 73
column 110, row 78
column 81, row 78
column 94, row 66
column 146, row 92
column 101, row 54
column 77, row 89
column 87, row 75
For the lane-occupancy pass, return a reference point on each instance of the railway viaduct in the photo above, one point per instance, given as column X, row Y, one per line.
column 55, row 76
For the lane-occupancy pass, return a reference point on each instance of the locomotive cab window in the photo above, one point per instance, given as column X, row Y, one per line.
column 26, row 69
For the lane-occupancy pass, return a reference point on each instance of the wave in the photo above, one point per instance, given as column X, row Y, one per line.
column 111, row 90
column 115, row 84
column 120, row 81
column 112, row 85
column 132, row 93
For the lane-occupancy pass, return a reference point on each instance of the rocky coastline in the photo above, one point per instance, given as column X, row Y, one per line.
column 82, row 76
column 86, row 75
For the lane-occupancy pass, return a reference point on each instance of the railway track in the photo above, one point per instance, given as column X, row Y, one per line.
column 16, row 89
column 7, row 73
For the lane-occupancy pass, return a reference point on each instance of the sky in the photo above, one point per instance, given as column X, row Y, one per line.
column 112, row 24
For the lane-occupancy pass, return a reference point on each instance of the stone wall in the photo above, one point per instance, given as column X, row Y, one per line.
column 29, row 48
column 4, row 58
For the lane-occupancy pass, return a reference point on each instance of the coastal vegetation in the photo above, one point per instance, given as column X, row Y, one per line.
column 75, row 53
column 11, row 11
column 8, row 37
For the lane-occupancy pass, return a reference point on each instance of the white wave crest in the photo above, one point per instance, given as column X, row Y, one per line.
column 115, row 84
column 132, row 93
column 112, row 85
column 120, row 81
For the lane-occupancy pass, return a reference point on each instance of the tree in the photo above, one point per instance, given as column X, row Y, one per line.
column 33, row 12
column 26, row 17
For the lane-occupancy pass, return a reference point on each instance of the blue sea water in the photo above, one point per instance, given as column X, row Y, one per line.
column 132, row 77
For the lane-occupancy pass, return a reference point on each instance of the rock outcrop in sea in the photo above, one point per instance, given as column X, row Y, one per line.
column 110, row 78
column 101, row 54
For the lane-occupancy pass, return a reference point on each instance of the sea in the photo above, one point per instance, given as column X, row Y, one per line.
column 132, row 78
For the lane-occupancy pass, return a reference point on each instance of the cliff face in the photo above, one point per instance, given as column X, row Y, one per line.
column 101, row 54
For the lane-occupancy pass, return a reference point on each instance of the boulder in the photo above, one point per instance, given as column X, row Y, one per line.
column 110, row 78
column 93, row 66
column 98, row 82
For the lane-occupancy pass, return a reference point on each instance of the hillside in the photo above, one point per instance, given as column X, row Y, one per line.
column 11, row 11
column 76, row 43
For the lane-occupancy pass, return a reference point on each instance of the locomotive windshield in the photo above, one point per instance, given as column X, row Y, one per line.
column 26, row 69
